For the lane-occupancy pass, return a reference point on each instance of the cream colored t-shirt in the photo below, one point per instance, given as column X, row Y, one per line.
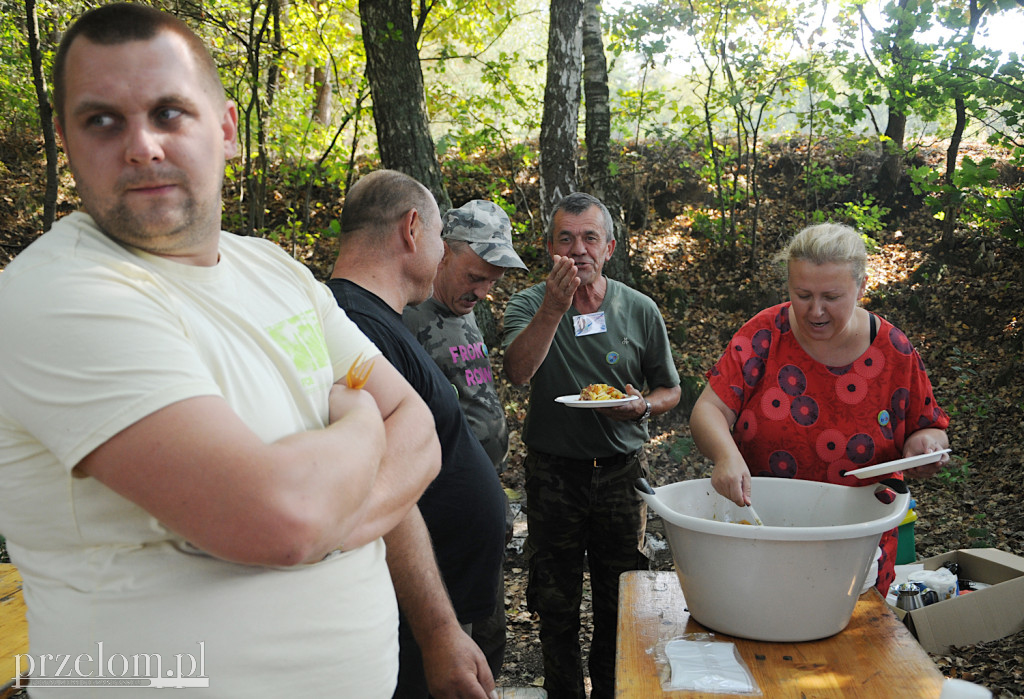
column 95, row 336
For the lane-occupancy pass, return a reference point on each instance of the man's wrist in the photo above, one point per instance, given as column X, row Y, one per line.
column 646, row 414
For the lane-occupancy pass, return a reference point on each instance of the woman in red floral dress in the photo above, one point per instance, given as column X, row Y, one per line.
column 818, row 386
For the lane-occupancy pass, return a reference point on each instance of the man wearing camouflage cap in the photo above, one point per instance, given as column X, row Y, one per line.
column 477, row 252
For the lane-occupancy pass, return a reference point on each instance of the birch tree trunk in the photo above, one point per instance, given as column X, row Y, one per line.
column 396, row 87
column 45, row 115
column 603, row 182
column 561, row 105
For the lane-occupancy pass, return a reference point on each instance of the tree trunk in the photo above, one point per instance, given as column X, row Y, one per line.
column 45, row 115
column 952, row 205
column 323, row 92
column 273, row 18
column 396, row 87
column 558, row 138
column 256, row 182
column 891, row 170
column 896, row 128
column 603, row 182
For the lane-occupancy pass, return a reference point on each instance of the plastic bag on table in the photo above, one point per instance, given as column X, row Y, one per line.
column 697, row 662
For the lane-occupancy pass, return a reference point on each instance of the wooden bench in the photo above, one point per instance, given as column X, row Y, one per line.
column 874, row 656
column 13, row 627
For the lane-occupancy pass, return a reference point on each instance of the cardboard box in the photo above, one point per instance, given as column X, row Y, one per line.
column 975, row 617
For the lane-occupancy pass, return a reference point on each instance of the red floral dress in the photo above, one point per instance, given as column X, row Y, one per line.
column 798, row 418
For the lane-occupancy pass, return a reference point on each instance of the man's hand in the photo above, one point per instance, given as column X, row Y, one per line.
column 562, row 283
column 455, row 667
column 343, row 400
column 627, row 412
column 530, row 347
column 453, row 664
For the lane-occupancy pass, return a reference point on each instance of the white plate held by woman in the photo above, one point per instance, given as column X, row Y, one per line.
column 574, row 401
column 898, row 464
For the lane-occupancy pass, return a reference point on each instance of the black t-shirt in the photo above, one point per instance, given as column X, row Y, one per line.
column 463, row 507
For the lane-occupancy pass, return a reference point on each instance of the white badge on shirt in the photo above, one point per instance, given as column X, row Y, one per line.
column 590, row 324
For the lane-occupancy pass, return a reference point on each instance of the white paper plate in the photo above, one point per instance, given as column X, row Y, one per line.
column 574, row 401
column 898, row 464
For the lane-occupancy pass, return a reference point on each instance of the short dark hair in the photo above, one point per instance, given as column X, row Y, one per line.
column 379, row 199
column 120, row 23
column 575, row 204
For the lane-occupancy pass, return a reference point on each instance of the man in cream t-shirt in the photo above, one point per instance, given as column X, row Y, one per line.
column 192, row 493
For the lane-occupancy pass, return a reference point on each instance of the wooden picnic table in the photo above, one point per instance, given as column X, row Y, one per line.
column 13, row 627
column 874, row 656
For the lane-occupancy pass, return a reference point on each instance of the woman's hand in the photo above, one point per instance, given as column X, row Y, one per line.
column 711, row 426
column 731, row 479
column 926, row 441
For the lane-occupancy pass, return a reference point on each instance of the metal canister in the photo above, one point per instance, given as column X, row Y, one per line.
column 909, row 597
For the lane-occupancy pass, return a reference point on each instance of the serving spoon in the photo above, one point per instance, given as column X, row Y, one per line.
column 644, row 487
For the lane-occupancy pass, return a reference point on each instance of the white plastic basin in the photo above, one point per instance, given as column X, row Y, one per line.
column 795, row 579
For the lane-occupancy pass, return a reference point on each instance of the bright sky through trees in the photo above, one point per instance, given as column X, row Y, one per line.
column 1003, row 33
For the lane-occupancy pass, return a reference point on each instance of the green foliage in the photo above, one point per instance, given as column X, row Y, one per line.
column 750, row 69
column 866, row 216
column 956, row 471
column 483, row 82
column 982, row 205
column 823, row 180
column 679, row 448
column 705, row 226
column 17, row 93
column 980, row 536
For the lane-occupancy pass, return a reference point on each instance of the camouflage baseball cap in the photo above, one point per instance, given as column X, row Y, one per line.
column 485, row 226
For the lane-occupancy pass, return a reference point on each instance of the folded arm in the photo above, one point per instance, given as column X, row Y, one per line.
column 411, row 461
column 198, row 469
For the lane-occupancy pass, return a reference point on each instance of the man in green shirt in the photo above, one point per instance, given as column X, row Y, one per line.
column 579, row 328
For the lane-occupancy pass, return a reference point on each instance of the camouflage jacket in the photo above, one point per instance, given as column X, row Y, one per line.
column 458, row 348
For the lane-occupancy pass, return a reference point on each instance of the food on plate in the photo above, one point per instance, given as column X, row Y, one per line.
column 601, row 391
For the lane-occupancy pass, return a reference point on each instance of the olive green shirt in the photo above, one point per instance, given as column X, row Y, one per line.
column 634, row 349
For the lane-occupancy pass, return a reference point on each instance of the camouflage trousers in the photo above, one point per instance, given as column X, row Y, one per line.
column 580, row 514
